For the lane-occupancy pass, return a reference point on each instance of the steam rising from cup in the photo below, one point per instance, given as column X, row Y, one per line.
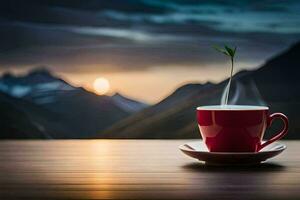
column 242, row 93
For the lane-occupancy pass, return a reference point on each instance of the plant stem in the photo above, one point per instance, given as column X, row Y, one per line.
column 229, row 84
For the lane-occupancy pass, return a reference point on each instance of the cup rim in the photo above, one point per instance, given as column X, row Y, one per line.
column 232, row 108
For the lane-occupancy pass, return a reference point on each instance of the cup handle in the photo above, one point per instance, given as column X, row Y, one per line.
column 280, row 134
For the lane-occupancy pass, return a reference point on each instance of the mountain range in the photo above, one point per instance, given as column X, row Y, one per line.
column 275, row 84
column 42, row 105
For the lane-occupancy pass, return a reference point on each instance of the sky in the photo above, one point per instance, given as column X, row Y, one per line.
column 144, row 48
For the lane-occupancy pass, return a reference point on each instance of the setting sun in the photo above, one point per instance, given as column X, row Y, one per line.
column 101, row 86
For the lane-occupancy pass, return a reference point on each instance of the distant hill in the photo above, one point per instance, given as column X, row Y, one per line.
column 276, row 84
column 45, row 106
column 23, row 119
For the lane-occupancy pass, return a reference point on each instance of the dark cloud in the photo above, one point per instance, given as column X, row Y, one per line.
column 133, row 35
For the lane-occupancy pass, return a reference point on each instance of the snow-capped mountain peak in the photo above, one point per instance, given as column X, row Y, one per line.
column 38, row 85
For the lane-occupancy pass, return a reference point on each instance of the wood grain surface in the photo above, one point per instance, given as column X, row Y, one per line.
column 137, row 169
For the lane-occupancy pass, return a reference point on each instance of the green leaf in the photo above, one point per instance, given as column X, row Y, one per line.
column 230, row 51
column 221, row 50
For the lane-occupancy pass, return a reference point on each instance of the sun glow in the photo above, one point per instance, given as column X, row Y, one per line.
column 101, row 86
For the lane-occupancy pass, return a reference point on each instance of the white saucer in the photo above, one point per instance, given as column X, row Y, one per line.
column 199, row 151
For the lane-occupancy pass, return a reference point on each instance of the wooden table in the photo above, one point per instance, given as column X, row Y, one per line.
column 137, row 169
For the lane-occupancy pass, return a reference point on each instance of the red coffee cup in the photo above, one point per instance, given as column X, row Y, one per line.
column 237, row 128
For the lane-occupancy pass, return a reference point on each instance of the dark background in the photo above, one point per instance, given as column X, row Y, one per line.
column 138, row 36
